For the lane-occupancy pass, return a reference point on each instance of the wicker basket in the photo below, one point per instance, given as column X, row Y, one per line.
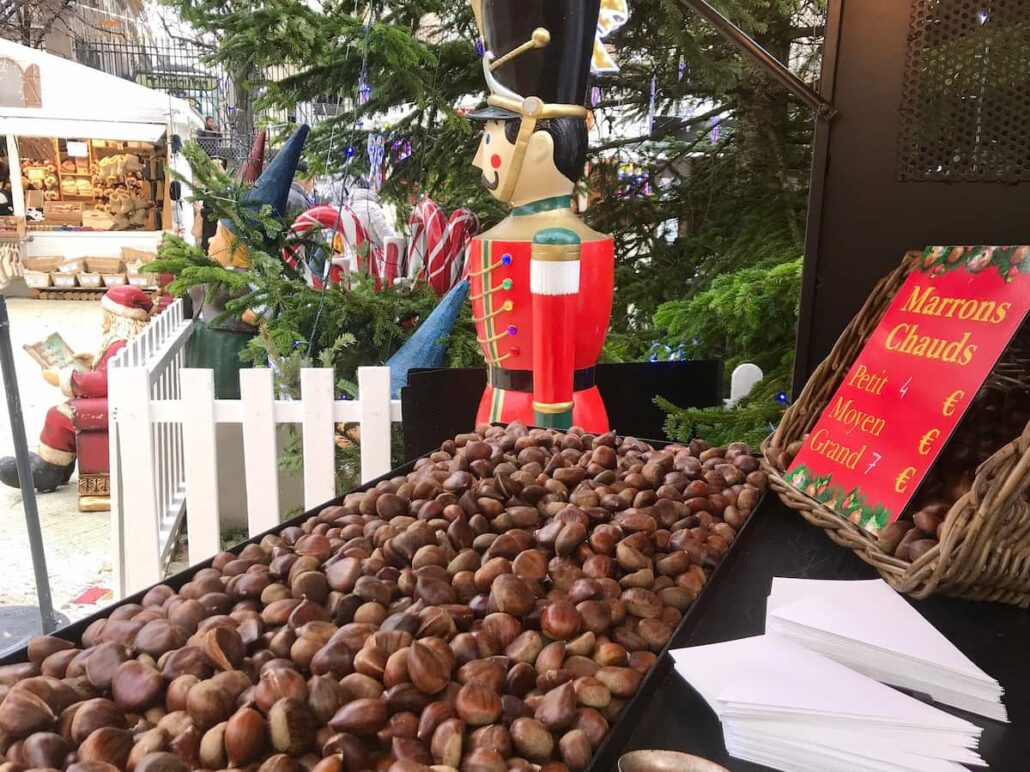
column 984, row 549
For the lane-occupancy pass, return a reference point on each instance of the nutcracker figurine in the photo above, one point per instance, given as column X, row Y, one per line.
column 541, row 280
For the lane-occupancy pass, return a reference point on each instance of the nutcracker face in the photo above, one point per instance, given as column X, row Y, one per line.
column 516, row 177
column 494, row 158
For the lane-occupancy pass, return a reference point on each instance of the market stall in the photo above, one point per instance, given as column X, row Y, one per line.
column 86, row 158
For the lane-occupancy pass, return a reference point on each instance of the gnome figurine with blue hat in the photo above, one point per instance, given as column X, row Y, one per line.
column 272, row 188
column 217, row 345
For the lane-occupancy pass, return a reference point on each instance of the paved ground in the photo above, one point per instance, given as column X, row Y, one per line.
column 77, row 544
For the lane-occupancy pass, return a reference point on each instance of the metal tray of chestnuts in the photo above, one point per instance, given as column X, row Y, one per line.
column 503, row 603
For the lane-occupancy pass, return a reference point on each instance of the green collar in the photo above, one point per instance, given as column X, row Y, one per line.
column 543, row 205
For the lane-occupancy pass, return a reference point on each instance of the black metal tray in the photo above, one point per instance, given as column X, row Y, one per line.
column 607, row 756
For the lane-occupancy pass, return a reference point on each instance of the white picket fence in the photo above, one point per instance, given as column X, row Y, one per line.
column 194, row 415
column 150, row 365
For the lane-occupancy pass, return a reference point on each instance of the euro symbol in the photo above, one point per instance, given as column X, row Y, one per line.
column 901, row 481
column 928, row 440
column 952, row 401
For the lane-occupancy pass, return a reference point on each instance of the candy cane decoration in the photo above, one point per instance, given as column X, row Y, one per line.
column 349, row 239
column 437, row 245
column 425, row 226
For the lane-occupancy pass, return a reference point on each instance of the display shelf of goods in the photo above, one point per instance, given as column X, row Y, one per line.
column 502, row 603
column 965, row 532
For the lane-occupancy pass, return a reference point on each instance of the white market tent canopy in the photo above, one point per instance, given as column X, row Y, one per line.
column 46, row 96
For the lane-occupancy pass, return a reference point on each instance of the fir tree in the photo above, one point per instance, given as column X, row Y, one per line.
column 725, row 164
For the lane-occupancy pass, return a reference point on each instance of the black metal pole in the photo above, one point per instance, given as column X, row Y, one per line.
column 772, row 65
column 21, row 454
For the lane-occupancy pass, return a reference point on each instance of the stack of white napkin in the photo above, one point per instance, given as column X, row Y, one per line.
column 806, row 696
column 870, row 628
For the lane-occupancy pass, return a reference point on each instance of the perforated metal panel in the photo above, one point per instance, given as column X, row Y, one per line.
column 965, row 111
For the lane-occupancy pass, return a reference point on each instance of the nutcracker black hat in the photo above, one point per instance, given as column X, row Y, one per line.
column 537, row 56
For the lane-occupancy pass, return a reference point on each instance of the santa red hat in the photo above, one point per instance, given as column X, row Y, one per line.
column 128, row 301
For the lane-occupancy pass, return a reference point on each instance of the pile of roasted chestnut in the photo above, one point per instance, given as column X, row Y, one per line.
column 493, row 610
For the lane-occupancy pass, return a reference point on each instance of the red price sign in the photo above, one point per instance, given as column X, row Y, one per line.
column 910, row 386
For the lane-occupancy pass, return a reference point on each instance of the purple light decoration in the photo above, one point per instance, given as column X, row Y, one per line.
column 480, row 48
column 682, row 68
column 376, row 149
column 595, row 96
column 651, row 104
column 402, row 149
column 716, row 130
column 364, row 91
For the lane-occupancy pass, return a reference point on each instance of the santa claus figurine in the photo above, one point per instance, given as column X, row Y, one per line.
column 126, row 311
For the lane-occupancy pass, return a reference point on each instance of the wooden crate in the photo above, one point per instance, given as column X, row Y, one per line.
column 75, row 265
column 62, row 212
column 130, row 255
column 12, row 226
column 104, row 265
column 89, row 279
column 42, row 264
column 37, row 279
column 113, row 279
column 65, row 279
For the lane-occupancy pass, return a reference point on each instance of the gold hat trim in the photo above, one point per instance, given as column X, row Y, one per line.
column 540, row 39
column 533, row 107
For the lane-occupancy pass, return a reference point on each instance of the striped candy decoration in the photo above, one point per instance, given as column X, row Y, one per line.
column 343, row 224
column 437, row 245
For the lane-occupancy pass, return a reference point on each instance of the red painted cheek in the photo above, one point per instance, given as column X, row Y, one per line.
column 495, row 161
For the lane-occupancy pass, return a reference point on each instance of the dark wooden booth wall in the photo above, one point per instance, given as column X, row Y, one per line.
column 940, row 77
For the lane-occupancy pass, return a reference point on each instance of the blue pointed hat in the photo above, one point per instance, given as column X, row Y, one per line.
column 273, row 186
column 428, row 346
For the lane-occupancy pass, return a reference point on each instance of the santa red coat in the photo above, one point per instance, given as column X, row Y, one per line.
column 57, row 440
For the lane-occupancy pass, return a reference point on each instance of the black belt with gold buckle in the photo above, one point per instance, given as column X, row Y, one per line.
column 522, row 380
